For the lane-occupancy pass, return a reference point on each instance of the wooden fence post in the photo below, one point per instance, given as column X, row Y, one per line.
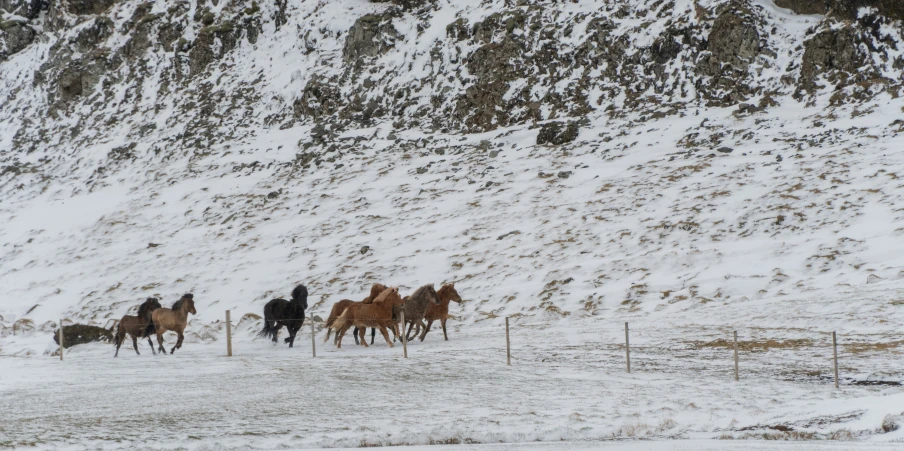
column 835, row 356
column 313, row 345
column 736, row 356
column 61, row 339
column 508, row 343
column 627, row 348
column 228, row 334
column 404, row 336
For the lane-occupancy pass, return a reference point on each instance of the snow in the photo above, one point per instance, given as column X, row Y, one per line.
column 686, row 243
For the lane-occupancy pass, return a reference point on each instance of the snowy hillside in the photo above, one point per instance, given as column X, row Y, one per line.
column 235, row 149
column 693, row 167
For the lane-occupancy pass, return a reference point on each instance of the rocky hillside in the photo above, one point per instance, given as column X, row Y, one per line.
column 564, row 157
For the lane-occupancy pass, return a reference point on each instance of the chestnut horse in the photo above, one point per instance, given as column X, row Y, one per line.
column 174, row 319
column 441, row 312
column 136, row 326
column 377, row 315
column 340, row 307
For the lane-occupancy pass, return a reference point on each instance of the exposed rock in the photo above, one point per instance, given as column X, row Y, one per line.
column 320, row 98
column 405, row 4
column 725, row 150
column 370, row 36
column 832, row 52
column 211, row 45
column 29, row 9
column 364, row 249
column 80, row 76
column 495, row 65
column 848, row 9
column 733, row 44
column 77, row 334
column 15, row 36
column 83, row 7
column 804, row 6
column 557, row 133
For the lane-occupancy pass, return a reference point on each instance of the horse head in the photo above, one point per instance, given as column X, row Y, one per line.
column 448, row 291
column 188, row 303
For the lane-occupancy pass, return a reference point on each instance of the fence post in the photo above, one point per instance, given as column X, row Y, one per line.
column 404, row 336
column 736, row 356
column 61, row 339
column 835, row 356
column 627, row 348
column 313, row 345
column 508, row 343
column 228, row 335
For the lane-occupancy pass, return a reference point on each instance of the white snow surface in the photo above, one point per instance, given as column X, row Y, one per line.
column 797, row 232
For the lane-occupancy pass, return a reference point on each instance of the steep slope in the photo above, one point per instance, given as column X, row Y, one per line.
column 711, row 156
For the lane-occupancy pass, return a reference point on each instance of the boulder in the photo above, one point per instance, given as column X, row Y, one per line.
column 84, row 7
column 77, row 334
column 212, row 44
column 15, row 36
column 370, row 36
column 804, row 6
column 831, row 52
column 557, row 133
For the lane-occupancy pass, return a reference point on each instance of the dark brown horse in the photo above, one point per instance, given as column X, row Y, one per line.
column 441, row 312
column 174, row 319
column 136, row 326
column 415, row 306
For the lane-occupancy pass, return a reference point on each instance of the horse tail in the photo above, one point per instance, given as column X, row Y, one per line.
column 269, row 328
column 150, row 329
column 341, row 321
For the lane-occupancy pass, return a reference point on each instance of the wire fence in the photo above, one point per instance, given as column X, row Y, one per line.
column 736, row 353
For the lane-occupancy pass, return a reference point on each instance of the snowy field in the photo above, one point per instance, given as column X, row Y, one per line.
column 566, row 383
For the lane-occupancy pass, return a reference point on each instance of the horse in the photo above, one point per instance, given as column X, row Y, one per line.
column 136, row 326
column 440, row 312
column 340, row 307
column 415, row 306
column 174, row 319
column 280, row 312
column 377, row 315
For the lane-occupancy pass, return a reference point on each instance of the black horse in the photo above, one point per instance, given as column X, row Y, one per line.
column 280, row 312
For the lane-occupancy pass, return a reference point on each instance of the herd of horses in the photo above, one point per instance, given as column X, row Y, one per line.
column 384, row 309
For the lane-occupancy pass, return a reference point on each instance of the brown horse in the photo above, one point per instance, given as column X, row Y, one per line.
column 136, row 326
column 441, row 312
column 376, row 315
column 340, row 307
column 174, row 319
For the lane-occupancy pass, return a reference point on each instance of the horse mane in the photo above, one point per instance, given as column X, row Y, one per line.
column 375, row 291
column 148, row 306
column 420, row 296
column 385, row 294
column 300, row 294
column 178, row 304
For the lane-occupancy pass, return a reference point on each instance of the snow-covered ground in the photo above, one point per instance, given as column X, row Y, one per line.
column 566, row 383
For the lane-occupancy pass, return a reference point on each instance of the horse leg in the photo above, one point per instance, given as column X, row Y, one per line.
column 373, row 333
column 410, row 327
column 363, row 332
column 426, row 329
column 178, row 342
column 118, row 344
column 386, row 336
column 160, row 341
column 277, row 327
column 355, row 334
column 135, row 344
column 445, row 335
column 292, row 334
column 151, row 344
